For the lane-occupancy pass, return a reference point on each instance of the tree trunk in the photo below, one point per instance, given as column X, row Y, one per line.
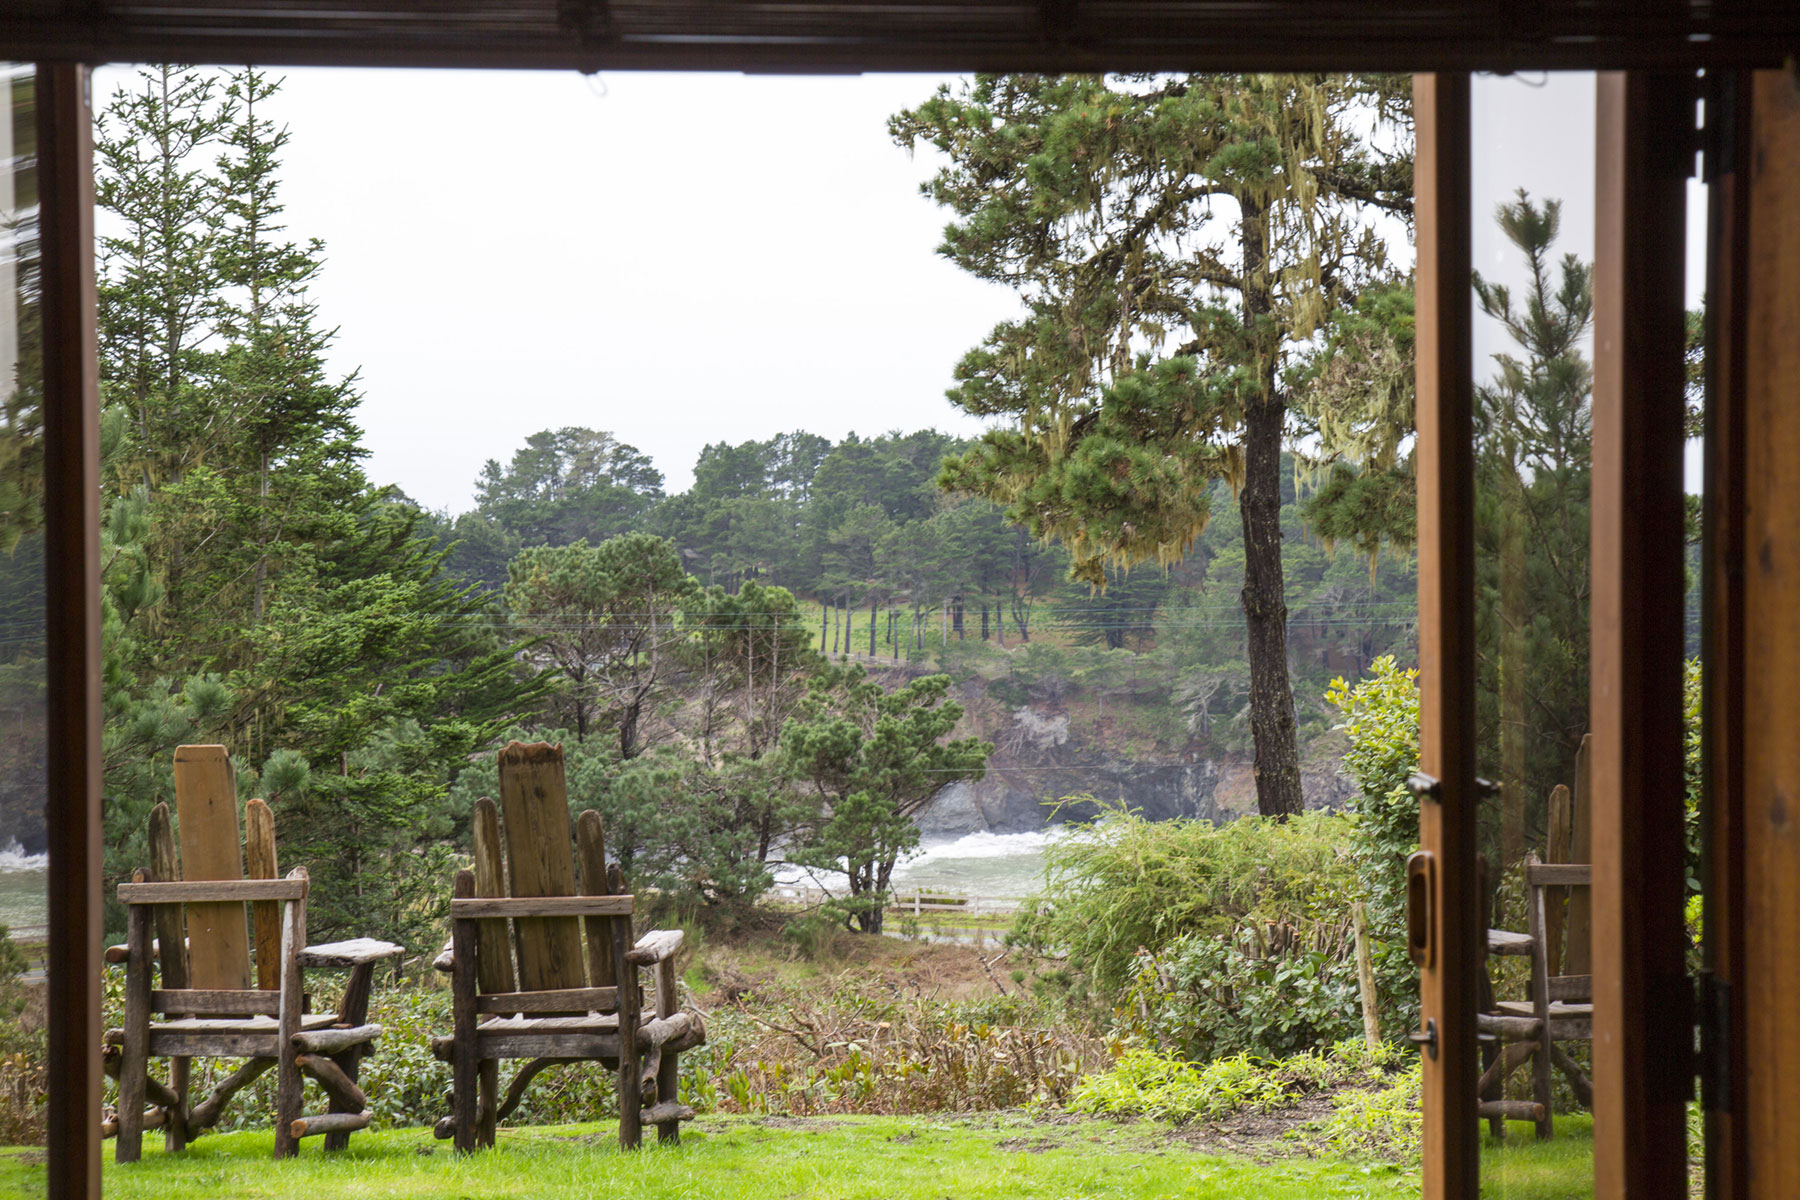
column 1265, row 616
column 1513, row 618
column 871, row 627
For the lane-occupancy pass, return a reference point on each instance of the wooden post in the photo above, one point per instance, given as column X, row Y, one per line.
column 134, row 1060
column 668, row 1072
column 1449, row 986
column 172, row 956
column 289, row 1087
column 1643, row 1010
column 464, row 1052
column 1365, row 978
column 72, row 773
column 631, row 1100
column 1771, row 711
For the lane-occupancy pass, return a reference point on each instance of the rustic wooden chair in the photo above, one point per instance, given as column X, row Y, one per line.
column 1560, row 1009
column 547, row 1011
column 211, row 1005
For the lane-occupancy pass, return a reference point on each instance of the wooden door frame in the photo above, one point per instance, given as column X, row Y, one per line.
column 71, row 415
column 1448, row 799
column 1643, row 996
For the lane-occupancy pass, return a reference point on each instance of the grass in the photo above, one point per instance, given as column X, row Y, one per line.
column 843, row 1158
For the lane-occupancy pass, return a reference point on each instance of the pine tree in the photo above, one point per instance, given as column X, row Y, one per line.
column 1176, row 242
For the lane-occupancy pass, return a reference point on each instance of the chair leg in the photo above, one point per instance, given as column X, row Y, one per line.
column 489, row 1116
column 350, row 1063
column 134, row 1059
column 667, row 1085
column 175, row 1132
column 1489, row 1052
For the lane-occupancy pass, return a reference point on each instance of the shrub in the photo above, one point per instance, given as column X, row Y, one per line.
column 1125, row 884
column 1381, row 716
column 1211, row 996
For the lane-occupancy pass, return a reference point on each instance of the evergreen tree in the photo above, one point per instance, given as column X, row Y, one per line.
column 1101, row 200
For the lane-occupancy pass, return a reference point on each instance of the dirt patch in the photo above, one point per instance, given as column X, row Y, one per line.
column 732, row 969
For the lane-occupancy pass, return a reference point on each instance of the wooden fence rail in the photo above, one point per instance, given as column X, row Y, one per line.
column 916, row 902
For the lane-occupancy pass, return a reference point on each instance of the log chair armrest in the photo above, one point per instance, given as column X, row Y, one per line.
column 655, row 947
column 353, row 953
column 446, row 959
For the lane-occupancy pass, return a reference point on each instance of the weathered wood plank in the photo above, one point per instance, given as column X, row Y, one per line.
column 524, row 908
column 596, row 999
column 590, row 843
column 353, row 953
column 541, row 862
column 1571, row 987
column 1557, row 844
column 495, row 965
column 165, row 867
column 193, row 894
column 253, row 1002
column 212, row 849
column 265, row 915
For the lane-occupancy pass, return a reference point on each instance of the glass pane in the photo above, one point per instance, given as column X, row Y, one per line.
column 1532, row 207
column 23, row 863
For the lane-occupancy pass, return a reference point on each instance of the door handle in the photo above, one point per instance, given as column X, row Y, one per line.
column 1421, row 920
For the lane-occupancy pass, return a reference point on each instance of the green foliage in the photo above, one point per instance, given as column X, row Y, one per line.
column 872, row 758
column 1208, row 997
column 257, row 590
column 1164, row 1087
column 1123, row 883
column 1381, row 716
column 606, row 617
column 1383, row 1121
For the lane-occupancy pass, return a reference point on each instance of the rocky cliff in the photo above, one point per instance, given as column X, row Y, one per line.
column 1040, row 759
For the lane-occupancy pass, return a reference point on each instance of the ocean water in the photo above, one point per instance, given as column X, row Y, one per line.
column 24, row 879
column 976, row 864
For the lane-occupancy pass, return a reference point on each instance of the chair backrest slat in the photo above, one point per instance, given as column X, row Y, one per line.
column 265, row 915
column 165, row 867
column 540, row 859
column 496, row 965
column 590, row 848
column 211, row 848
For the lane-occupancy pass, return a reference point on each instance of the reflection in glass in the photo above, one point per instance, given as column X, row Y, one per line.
column 1532, row 209
column 23, row 863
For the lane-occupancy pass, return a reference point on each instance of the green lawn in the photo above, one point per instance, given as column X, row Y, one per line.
column 998, row 1156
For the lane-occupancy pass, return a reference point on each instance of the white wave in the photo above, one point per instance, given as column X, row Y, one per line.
column 14, row 858
column 986, row 844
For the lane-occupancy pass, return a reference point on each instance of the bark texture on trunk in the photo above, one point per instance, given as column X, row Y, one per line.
column 1265, row 615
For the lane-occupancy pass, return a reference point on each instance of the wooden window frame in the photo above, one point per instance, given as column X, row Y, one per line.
column 1641, row 1074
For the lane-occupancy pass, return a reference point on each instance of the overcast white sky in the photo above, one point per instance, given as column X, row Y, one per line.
column 683, row 259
